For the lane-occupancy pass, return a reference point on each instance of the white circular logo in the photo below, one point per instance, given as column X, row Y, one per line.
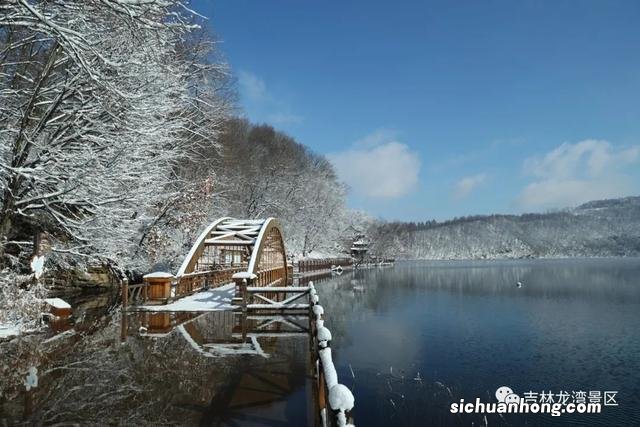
column 504, row 394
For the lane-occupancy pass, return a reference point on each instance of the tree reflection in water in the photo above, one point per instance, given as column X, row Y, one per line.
column 214, row 368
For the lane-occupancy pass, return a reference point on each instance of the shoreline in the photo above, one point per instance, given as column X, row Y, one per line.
column 541, row 258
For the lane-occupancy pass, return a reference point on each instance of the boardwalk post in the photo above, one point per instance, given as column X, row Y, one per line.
column 245, row 297
column 322, row 399
column 242, row 280
column 124, row 326
column 237, row 297
column 158, row 284
column 289, row 276
column 125, row 302
column 125, row 293
column 243, row 323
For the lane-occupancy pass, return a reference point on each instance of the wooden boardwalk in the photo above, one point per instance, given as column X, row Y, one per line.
column 251, row 254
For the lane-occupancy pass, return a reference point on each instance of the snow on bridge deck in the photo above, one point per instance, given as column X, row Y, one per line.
column 208, row 300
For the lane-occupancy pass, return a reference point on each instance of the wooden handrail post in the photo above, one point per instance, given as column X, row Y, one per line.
column 245, row 296
column 145, row 292
column 124, row 326
column 322, row 397
column 159, row 283
column 125, row 293
column 125, row 302
column 242, row 280
column 243, row 323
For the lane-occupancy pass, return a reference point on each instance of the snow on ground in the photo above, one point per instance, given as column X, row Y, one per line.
column 7, row 331
column 37, row 266
column 211, row 300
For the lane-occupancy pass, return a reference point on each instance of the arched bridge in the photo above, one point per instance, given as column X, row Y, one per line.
column 252, row 254
column 229, row 246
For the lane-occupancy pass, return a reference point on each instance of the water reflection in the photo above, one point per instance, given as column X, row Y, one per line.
column 465, row 328
column 215, row 368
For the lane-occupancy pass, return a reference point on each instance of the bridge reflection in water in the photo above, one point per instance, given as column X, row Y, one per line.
column 260, row 366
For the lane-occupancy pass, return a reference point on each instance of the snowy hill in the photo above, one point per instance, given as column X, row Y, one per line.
column 598, row 228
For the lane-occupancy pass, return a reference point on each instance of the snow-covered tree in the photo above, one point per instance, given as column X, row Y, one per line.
column 267, row 173
column 100, row 103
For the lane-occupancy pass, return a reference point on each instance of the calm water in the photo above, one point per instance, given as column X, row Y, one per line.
column 197, row 369
column 408, row 341
column 413, row 339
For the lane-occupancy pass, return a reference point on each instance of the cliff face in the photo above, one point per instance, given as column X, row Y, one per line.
column 601, row 228
column 95, row 278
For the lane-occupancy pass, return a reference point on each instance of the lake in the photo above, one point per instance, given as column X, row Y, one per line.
column 412, row 339
column 409, row 341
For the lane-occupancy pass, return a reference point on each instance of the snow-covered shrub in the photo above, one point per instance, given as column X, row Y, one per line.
column 20, row 307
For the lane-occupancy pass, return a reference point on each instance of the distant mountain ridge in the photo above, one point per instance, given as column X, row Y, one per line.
column 600, row 228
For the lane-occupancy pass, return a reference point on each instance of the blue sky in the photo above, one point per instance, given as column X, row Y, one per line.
column 443, row 109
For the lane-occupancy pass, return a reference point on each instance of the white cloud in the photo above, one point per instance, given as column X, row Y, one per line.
column 252, row 86
column 464, row 186
column 377, row 137
column 378, row 167
column 262, row 104
column 575, row 173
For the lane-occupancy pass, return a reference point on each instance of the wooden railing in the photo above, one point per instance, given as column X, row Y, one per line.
column 190, row 283
column 270, row 276
column 178, row 287
column 308, row 265
column 335, row 401
column 133, row 294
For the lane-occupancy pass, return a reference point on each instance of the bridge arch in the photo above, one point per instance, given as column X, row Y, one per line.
column 228, row 246
column 269, row 252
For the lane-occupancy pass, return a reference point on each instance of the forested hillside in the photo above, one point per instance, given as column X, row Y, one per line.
column 598, row 228
column 253, row 171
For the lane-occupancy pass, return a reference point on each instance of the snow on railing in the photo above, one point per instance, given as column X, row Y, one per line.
column 164, row 287
column 340, row 398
